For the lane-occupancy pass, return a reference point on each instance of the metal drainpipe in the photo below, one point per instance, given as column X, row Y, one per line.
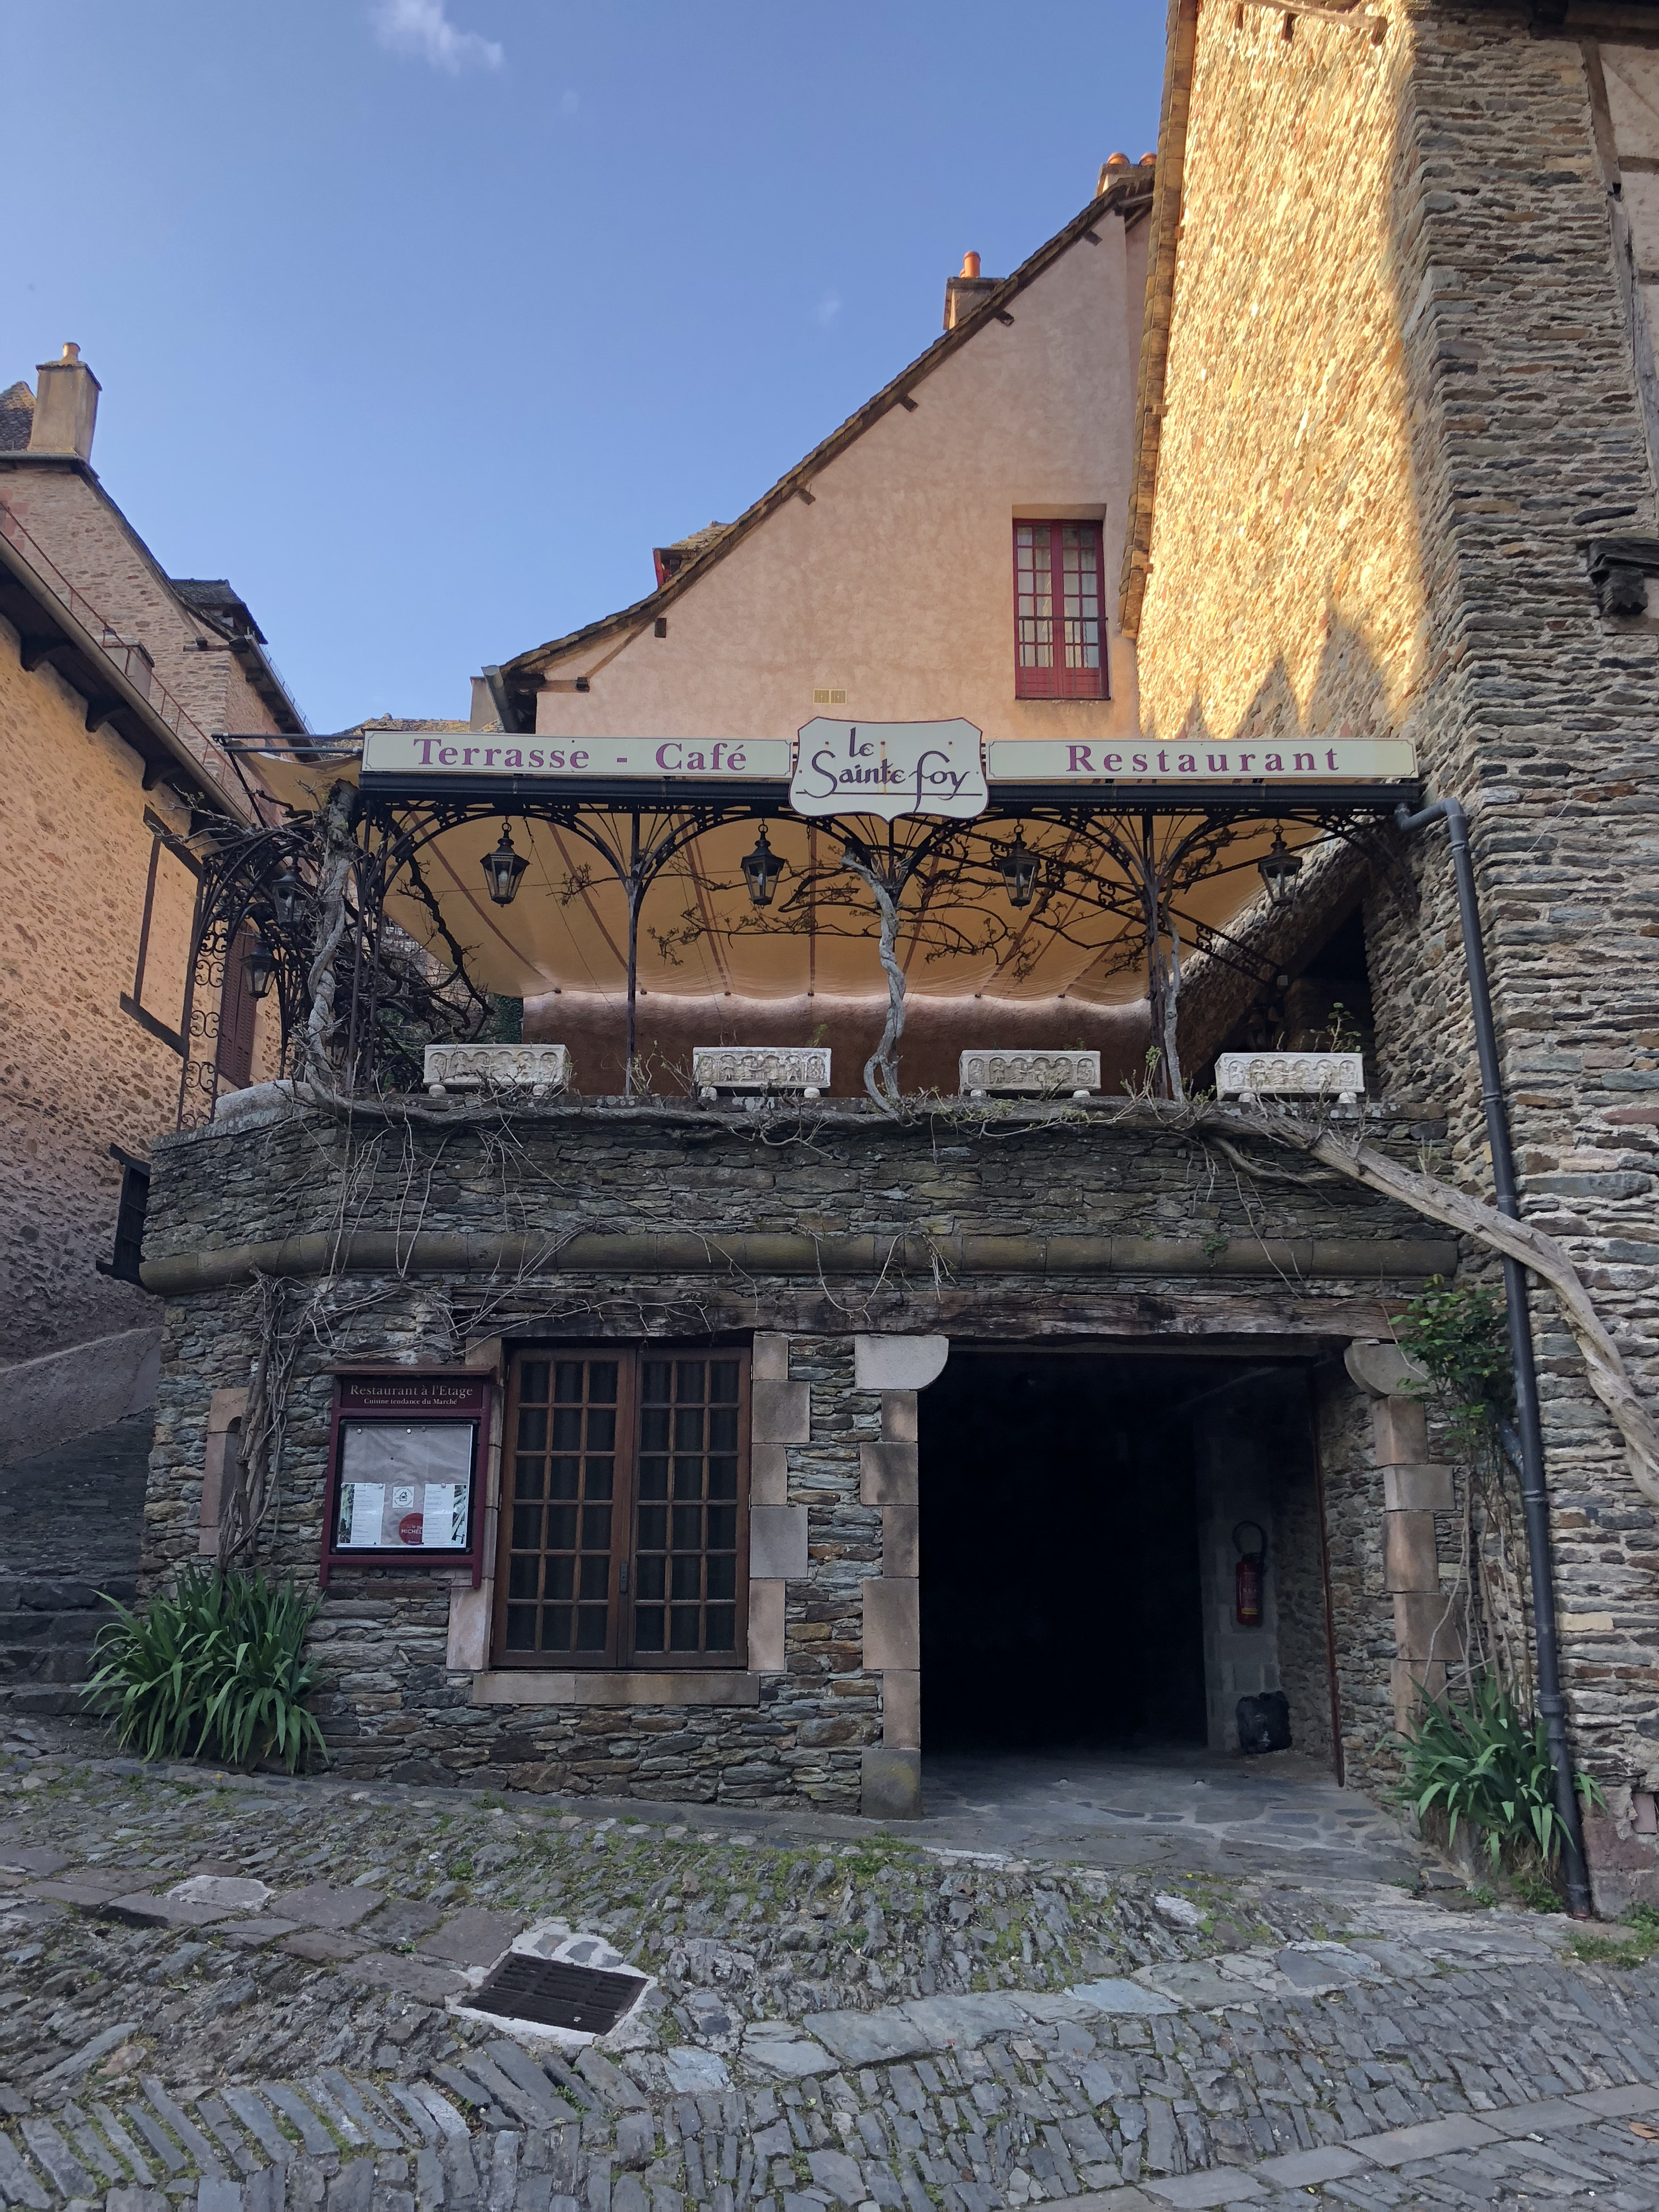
column 1534, row 1495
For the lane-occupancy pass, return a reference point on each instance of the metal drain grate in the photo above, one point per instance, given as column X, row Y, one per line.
column 555, row 1995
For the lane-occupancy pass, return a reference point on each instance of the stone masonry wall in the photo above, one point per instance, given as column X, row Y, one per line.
column 76, row 1073
column 1362, row 1617
column 1422, row 230
column 397, row 1699
column 76, row 522
column 1531, row 441
column 1286, row 590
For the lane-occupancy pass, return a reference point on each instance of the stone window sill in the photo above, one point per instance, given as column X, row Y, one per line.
column 513, row 1685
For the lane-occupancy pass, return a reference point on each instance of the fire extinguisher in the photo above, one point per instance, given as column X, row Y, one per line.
column 1247, row 1576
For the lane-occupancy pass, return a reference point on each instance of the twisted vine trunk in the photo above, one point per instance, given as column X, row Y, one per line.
column 338, row 820
column 1362, row 1162
column 248, row 1496
column 1167, row 1004
column 881, row 1077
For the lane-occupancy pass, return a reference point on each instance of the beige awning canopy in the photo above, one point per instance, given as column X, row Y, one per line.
column 700, row 935
column 1082, row 937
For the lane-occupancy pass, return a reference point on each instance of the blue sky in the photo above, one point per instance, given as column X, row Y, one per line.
column 422, row 320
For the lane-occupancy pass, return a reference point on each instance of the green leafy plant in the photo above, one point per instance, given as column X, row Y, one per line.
column 1459, row 1339
column 1481, row 1760
column 218, row 1664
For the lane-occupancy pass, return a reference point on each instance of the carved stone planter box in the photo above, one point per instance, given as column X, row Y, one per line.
column 717, row 1067
column 1250, row 1075
column 1028, row 1074
column 540, row 1069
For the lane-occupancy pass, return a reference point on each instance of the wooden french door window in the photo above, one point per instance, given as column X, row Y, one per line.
column 1058, row 611
column 624, row 1508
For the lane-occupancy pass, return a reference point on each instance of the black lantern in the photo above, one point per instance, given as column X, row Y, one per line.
column 1279, row 870
column 1019, row 864
column 283, row 892
column 259, row 966
column 761, row 871
column 502, row 869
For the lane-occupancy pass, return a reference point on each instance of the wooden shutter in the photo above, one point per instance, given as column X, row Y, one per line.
column 237, row 1008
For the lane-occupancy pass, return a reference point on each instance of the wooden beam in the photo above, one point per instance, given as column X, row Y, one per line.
column 1347, row 19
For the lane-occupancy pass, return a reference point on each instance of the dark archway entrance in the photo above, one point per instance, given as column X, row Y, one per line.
column 1076, row 1515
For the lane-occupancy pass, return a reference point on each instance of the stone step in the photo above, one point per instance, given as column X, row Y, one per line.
column 42, row 1701
column 49, row 1594
column 47, row 1665
column 48, row 1647
column 31, row 1629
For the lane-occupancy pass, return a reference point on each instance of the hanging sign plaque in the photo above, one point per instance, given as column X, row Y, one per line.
column 889, row 768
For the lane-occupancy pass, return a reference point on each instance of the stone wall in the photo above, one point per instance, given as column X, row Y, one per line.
column 1402, row 399
column 79, row 1073
column 817, row 1237
column 1286, row 589
column 69, row 515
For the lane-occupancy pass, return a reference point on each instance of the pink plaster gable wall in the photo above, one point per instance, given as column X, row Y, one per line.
column 895, row 584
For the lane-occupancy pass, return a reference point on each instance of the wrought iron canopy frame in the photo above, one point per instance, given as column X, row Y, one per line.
column 1134, row 851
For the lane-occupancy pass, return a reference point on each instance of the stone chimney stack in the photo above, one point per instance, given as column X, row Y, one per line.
column 962, row 294
column 65, row 406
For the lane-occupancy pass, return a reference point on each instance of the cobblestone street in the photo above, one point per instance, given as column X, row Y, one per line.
column 241, row 1993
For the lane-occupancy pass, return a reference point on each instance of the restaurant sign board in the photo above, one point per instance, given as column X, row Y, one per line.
column 889, row 768
column 471, row 753
column 886, row 768
column 1065, row 762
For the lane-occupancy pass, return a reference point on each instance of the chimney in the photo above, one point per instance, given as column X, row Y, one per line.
column 962, row 294
column 1113, row 167
column 65, row 406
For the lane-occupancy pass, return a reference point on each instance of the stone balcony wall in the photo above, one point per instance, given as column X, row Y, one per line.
column 440, row 1239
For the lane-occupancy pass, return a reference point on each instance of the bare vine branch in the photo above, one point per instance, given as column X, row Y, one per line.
column 1364, row 1164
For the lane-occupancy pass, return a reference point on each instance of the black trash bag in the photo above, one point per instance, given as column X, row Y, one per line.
column 1264, row 1722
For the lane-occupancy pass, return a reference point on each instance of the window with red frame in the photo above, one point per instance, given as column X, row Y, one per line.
column 1060, row 645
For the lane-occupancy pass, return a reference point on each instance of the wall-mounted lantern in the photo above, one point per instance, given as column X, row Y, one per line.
column 502, row 869
column 259, row 966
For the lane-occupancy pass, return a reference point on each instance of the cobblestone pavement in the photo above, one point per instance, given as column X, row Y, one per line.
column 834, row 2019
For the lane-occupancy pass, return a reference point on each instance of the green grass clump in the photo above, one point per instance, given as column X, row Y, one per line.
column 216, row 1665
column 1632, row 1950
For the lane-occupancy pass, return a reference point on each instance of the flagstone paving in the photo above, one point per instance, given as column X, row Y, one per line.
column 239, row 1995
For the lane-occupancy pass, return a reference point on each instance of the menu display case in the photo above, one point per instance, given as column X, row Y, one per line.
column 406, row 1464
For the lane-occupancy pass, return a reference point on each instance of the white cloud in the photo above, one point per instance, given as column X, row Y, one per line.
column 827, row 309
column 421, row 28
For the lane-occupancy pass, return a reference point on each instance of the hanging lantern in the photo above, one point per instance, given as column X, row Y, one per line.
column 283, row 892
column 761, row 871
column 259, row 966
column 1019, row 864
column 502, row 869
column 1279, row 870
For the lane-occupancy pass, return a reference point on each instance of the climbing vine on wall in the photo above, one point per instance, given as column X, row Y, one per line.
column 1458, row 1336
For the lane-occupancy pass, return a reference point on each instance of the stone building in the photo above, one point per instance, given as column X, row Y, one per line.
column 662, row 1409
column 647, row 1436
column 115, row 680
column 1394, row 476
